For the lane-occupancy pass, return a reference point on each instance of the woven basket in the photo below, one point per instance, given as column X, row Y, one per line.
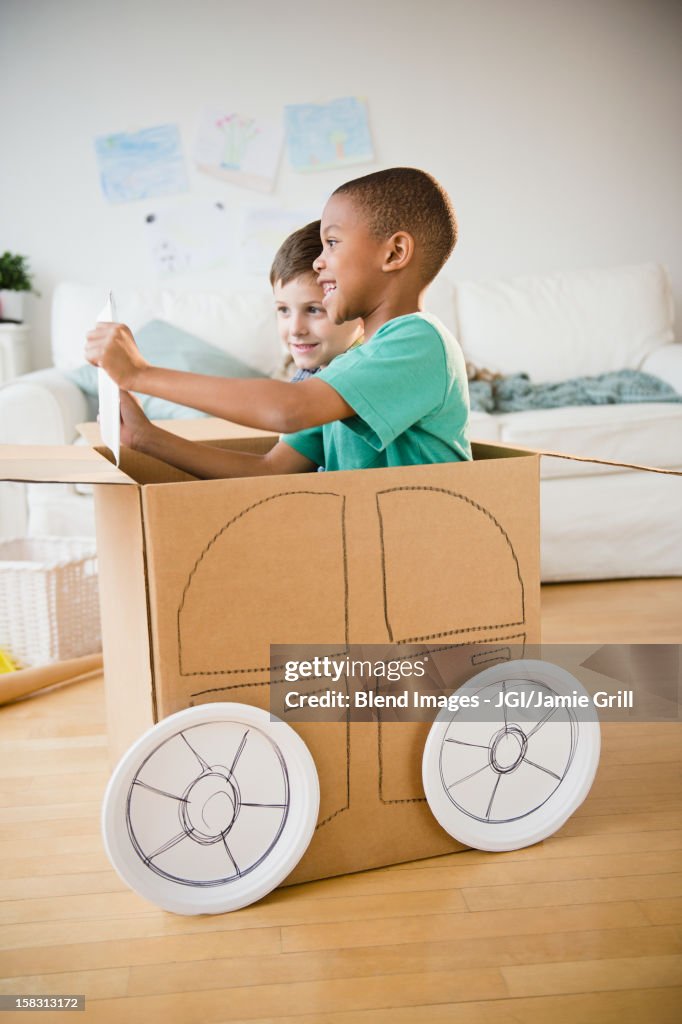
column 49, row 605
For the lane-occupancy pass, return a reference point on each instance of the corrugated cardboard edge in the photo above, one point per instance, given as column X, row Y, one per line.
column 76, row 464
column 201, row 428
column 586, row 458
column 125, row 611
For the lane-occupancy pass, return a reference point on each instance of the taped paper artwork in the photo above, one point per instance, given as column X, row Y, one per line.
column 139, row 165
column 238, row 149
column 325, row 135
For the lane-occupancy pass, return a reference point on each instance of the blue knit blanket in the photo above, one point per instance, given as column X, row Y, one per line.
column 517, row 393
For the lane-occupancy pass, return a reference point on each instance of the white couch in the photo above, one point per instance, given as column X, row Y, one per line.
column 597, row 522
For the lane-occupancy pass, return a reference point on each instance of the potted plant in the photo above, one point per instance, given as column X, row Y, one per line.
column 15, row 280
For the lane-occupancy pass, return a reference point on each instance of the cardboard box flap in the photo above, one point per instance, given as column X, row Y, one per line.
column 64, row 464
column 203, row 428
column 521, row 450
column 145, row 469
column 497, row 450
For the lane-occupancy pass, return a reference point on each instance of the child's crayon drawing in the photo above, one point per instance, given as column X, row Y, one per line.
column 239, row 149
column 324, row 135
column 141, row 165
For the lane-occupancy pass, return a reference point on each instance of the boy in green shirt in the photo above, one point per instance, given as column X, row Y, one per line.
column 399, row 399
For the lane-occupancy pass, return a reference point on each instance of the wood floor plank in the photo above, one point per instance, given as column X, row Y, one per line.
column 663, row 911
column 58, row 864
column 108, row 983
column 285, row 906
column 630, row 1007
column 462, row 873
column 635, row 774
column 641, row 611
column 88, row 843
column 159, row 949
column 226, row 1004
column 464, row 927
column 624, row 803
column 638, row 821
column 36, row 746
column 35, row 831
column 70, row 762
column 52, row 812
column 157, row 979
column 594, row 976
column 74, row 884
column 556, row 894
column 177, row 964
column 29, row 792
column 641, row 753
column 665, row 781
column 558, row 847
column 150, row 925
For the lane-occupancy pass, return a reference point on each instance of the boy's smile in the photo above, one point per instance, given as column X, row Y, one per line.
column 350, row 261
column 304, row 326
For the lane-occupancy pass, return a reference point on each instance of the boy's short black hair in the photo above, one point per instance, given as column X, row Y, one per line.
column 408, row 199
column 296, row 254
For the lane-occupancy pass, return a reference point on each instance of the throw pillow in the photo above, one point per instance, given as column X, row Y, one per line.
column 174, row 349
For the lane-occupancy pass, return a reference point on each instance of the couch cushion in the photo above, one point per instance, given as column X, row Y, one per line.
column 239, row 322
column 649, row 434
column 164, row 345
column 566, row 325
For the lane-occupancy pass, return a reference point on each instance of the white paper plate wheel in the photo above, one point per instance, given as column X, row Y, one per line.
column 211, row 808
column 514, row 779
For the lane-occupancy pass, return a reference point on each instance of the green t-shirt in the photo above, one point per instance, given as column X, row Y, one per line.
column 408, row 387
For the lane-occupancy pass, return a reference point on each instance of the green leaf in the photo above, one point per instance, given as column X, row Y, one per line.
column 15, row 273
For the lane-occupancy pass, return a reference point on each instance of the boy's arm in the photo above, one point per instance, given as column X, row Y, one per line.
column 203, row 460
column 263, row 404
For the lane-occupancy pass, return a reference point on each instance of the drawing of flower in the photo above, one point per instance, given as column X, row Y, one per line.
column 238, row 134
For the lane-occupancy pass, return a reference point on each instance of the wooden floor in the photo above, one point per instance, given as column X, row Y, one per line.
column 585, row 927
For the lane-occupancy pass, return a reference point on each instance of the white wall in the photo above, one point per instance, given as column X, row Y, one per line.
column 554, row 124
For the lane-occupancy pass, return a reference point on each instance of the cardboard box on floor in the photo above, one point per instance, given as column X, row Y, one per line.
column 199, row 578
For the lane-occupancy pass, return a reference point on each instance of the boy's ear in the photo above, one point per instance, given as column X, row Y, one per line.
column 399, row 251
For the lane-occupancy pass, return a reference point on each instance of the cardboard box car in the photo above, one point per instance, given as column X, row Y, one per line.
column 199, row 577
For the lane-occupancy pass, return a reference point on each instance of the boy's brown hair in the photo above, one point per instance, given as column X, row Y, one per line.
column 297, row 254
column 408, row 199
